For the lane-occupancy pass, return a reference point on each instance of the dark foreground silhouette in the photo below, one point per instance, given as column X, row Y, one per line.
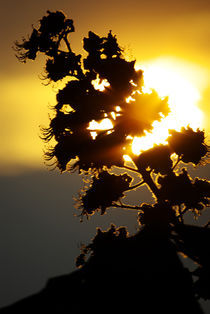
column 139, row 273
column 124, row 274
column 117, row 272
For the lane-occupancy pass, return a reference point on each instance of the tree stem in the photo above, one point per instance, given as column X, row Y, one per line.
column 177, row 162
column 149, row 181
column 67, row 43
column 131, row 169
column 126, row 206
column 136, row 185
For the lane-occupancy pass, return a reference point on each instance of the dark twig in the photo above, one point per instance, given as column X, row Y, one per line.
column 177, row 162
column 136, row 185
column 131, row 169
column 67, row 43
column 180, row 214
column 126, row 206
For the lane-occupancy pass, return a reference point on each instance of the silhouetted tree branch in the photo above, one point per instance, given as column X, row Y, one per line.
column 117, row 271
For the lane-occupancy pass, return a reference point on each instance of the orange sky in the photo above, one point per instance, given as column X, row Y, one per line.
column 148, row 30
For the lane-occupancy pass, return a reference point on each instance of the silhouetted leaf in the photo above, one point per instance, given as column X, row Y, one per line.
column 188, row 144
column 156, row 159
column 181, row 189
column 101, row 193
column 61, row 65
column 138, row 115
column 53, row 23
column 159, row 215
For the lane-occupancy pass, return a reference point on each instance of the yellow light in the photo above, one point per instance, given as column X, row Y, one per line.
column 113, row 115
column 129, row 99
column 173, row 80
column 132, row 83
column 93, row 134
column 127, row 158
column 94, row 126
column 105, row 124
column 117, row 108
column 100, row 84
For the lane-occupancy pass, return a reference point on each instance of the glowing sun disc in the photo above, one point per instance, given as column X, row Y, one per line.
column 169, row 80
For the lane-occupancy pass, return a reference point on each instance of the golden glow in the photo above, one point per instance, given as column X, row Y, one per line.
column 66, row 109
column 94, row 126
column 117, row 108
column 105, row 124
column 129, row 99
column 100, row 84
column 173, row 79
column 113, row 114
column 127, row 158
column 94, row 134
column 26, row 102
column 25, row 107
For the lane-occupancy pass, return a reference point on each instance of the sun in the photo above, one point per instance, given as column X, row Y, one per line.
column 170, row 78
column 181, row 83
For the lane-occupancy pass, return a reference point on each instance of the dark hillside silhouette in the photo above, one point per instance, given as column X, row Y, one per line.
column 118, row 272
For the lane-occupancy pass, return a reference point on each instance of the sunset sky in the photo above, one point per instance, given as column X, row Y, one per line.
column 172, row 35
column 170, row 40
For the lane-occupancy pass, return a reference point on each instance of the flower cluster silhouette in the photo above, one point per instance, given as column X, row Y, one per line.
column 142, row 269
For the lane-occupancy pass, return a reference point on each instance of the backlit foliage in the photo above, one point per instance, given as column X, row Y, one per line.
column 162, row 230
column 104, row 60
